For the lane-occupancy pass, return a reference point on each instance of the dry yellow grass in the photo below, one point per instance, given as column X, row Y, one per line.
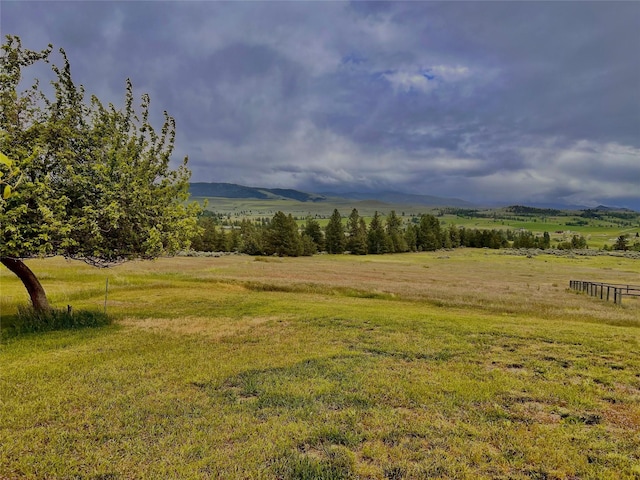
column 466, row 364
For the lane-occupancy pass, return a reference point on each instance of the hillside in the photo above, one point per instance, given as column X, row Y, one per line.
column 232, row 190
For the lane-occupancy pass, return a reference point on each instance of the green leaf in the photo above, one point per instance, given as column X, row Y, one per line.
column 7, row 192
column 5, row 160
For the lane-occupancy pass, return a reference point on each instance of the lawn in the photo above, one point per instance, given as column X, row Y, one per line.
column 463, row 364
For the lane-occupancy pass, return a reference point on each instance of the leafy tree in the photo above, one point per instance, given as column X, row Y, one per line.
column 95, row 181
column 334, row 234
column 357, row 234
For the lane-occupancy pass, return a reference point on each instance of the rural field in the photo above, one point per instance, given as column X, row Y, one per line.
column 464, row 364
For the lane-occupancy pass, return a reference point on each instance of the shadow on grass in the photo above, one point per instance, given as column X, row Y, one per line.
column 28, row 320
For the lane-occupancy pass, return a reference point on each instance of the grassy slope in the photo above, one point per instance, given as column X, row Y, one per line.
column 471, row 364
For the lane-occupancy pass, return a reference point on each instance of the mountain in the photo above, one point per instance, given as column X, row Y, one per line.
column 232, row 190
column 405, row 199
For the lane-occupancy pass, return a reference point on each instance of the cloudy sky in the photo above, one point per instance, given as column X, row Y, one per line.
column 492, row 102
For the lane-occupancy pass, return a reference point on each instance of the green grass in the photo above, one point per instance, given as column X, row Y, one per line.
column 469, row 364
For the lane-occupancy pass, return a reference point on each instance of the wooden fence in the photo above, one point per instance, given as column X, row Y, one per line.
column 606, row 291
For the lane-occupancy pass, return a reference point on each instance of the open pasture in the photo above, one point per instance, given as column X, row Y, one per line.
column 465, row 364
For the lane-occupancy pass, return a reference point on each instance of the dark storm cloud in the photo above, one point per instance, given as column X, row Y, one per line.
column 491, row 101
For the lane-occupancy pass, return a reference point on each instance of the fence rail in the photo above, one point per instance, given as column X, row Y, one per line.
column 606, row 291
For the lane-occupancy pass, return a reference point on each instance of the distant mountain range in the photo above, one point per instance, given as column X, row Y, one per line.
column 406, row 199
column 232, row 190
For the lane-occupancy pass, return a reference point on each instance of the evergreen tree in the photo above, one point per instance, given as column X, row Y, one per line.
column 334, row 234
column 314, row 232
column 578, row 242
column 411, row 237
column 251, row 235
column 357, row 234
column 309, row 247
column 234, row 242
column 377, row 239
column 453, row 232
column 621, row 243
column 395, row 234
column 206, row 241
column 429, row 236
column 282, row 237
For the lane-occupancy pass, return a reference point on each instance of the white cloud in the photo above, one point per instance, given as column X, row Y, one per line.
column 450, row 72
column 407, row 81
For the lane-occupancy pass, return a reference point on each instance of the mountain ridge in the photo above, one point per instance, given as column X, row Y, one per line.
column 233, row 190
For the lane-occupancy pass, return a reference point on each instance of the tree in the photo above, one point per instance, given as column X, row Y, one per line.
column 95, row 181
column 377, row 239
column 357, row 234
column 621, row 243
column 394, row 231
column 578, row 242
column 411, row 237
column 314, row 232
column 207, row 240
column 453, row 232
column 252, row 242
column 282, row 236
column 429, row 235
column 334, row 234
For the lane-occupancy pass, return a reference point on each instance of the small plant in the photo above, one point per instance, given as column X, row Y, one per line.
column 30, row 320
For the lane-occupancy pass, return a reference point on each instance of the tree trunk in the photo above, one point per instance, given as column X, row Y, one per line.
column 30, row 281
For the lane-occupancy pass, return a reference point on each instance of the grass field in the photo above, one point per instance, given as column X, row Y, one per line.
column 465, row 364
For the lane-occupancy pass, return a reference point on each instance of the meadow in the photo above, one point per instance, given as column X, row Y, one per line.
column 598, row 231
column 462, row 364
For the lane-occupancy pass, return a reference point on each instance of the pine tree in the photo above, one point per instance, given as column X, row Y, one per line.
column 334, row 234
column 429, row 236
column 282, row 236
column 377, row 239
column 357, row 234
column 314, row 232
column 395, row 234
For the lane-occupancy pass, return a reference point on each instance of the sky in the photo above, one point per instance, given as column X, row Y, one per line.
column 496, row 103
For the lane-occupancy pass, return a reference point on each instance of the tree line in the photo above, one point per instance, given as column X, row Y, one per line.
column 283, row 236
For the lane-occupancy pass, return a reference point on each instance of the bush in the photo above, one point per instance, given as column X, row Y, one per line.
column 29, row 320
